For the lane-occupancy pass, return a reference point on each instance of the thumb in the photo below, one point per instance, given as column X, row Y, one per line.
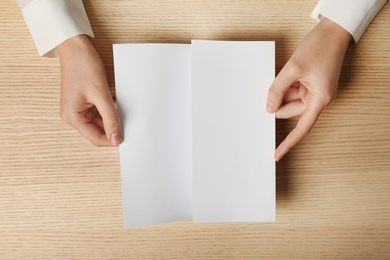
column 111, row 123
column 286, row 77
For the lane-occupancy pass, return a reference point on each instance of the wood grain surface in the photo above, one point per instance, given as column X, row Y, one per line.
column 60, row 197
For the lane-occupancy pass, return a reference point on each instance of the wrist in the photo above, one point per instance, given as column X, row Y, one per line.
column 71, row 45
column 335, row 32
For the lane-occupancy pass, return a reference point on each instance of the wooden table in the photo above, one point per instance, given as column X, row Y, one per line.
column 60, row 197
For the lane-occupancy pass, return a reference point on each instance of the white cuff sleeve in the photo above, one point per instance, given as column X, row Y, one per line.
column 53, row 21
column 352, row 15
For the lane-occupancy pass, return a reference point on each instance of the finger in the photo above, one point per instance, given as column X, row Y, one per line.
column 90, row 126
column 305, row 124
column 111, row 123
column 292, row 94
column 291, row 109
column 92, row 133
column 286, row 77
column 97, row 121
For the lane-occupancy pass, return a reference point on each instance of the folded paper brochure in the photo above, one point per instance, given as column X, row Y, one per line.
column 198, row 143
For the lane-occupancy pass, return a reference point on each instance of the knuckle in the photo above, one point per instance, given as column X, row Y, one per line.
column 274, row 92
column 295, row 67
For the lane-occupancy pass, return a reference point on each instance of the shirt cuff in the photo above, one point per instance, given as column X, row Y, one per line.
column 353, row 15
column 53, row 21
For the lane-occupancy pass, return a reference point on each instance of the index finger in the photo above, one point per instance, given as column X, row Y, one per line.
column 302, row 129
column 93, row 133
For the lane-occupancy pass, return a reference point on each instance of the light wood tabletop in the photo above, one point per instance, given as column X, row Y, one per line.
column 60, row 196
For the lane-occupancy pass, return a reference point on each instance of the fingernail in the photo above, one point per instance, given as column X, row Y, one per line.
column 116, row 139
column 270, row 107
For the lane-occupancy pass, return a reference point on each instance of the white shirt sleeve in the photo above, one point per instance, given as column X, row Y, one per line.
column 53, row 21
column 352, row 15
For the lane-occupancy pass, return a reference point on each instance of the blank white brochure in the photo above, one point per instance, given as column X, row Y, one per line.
column 197, row 140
